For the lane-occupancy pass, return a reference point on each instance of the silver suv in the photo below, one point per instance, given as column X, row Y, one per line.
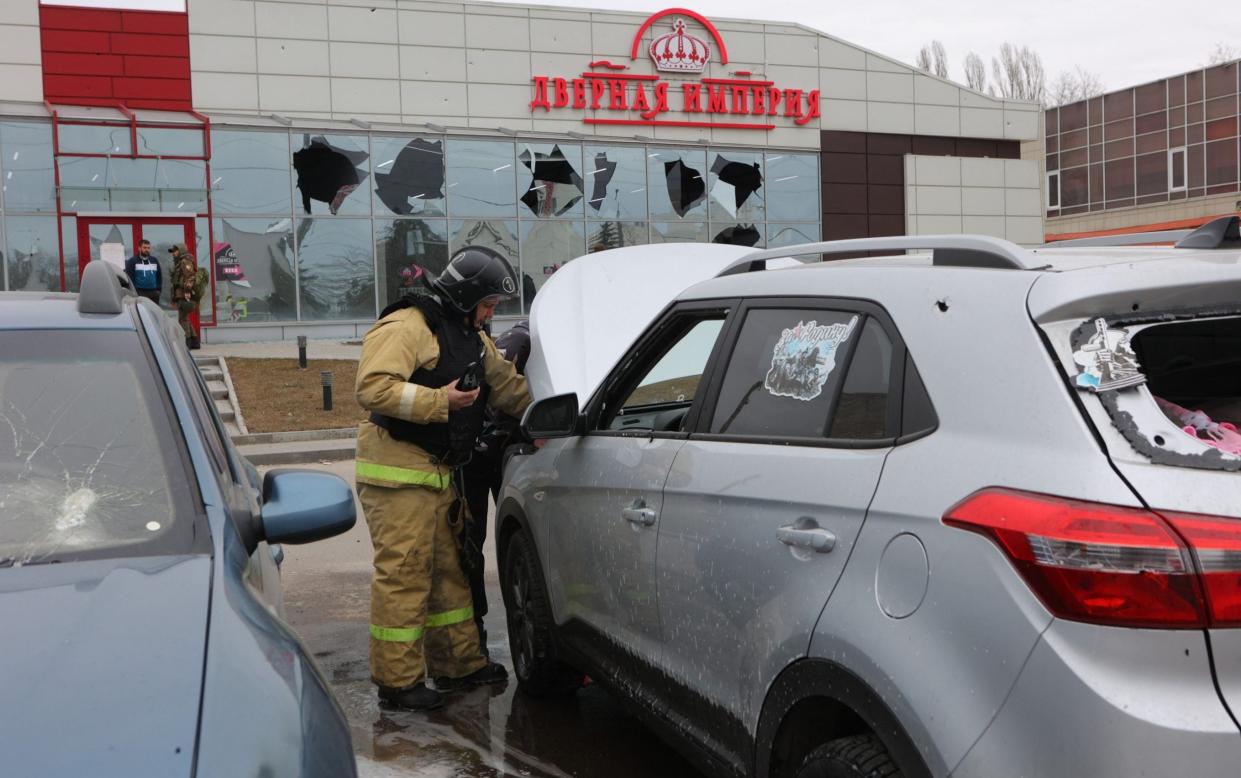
column 970, row 511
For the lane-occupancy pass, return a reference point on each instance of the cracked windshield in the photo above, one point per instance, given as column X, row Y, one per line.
column 83, row 471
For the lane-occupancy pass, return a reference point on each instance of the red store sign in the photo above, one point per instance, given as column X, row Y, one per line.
column 641, row 99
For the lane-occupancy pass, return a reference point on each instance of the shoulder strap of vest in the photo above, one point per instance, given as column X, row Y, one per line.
column 427, row 306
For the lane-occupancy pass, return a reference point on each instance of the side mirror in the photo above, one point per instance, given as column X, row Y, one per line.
column 552, row 417
column 302, row 505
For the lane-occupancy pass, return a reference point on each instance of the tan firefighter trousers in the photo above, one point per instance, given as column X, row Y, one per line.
column 419, row 595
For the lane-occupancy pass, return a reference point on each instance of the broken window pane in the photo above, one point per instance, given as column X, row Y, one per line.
column 735, row 182
column 254, row 279
column 33, row 254
column 678, row 186
column 332, row 173
column 615, row 182
column 601, row 236
column 76, row 482
column 170, row 142
column 481, row 179
column 549, row 179
column 791, row 234
column 679, row 232
column 93, row 139
column 406, row 250
column 335, row 269
column 409, row 175
column 739, row 234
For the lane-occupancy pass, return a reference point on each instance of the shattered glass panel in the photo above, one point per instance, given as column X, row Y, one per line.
column 33, row 254
column 406, row 250
column 481, row 179
column 88, row 466
column 336, row 269
column 735, row 183
column 170, row 142
column 678, row 183
column 254, row 274
column 791, row 234
column 615, row 182
column 409, row 175
column 549, row 180
column 93, row 139
column 738, row 234
column 332, row 173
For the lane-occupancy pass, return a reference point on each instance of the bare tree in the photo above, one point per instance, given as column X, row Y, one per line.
column 933, row 59
column 1073, row 85
column 976, row 73
column 1018, row 73
column 1222, row 53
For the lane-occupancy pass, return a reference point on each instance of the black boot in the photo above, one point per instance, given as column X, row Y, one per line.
column 195, row 343
column 416, row 697
column 491, row 673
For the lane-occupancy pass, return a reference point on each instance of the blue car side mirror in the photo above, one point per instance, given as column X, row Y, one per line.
column 300, row 506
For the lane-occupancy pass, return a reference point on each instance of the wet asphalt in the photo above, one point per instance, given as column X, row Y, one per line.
column 480, row 733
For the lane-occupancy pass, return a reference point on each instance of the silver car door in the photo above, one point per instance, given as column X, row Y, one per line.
column 605, row 501
column 762, row 508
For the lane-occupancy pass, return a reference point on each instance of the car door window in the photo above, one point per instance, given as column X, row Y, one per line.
column 784, row 372
column 863, row 412
column 660, row 389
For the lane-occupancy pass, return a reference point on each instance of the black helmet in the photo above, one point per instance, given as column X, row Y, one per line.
column 473, row 274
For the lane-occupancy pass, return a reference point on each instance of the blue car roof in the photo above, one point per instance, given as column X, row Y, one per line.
column 56, row 310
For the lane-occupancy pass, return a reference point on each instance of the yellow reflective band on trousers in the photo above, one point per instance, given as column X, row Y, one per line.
column 396, row 634
column 448, row 618
column 403, row 475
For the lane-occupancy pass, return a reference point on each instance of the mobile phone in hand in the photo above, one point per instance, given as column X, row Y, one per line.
column 470, row 378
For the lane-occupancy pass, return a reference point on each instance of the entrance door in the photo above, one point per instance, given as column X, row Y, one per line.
column 116, row 239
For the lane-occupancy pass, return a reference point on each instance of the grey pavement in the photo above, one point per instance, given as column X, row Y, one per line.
column 285, row 349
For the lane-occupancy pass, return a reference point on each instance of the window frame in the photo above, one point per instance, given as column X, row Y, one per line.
column 865, row 310
column 651, row 346
column 1184, row 167
column 1053, row 176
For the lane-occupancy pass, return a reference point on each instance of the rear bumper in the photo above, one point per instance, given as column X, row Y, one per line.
column 1105, row 701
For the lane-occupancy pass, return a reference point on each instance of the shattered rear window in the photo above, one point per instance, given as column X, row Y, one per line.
column 89, row 466
column 1172, row 387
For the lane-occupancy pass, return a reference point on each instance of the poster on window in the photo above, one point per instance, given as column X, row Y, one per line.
column 804, row 357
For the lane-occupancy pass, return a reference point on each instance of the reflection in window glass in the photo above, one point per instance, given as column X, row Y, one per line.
column 549, row 179
column 26, row 161
column 481, row 179
column 497, row 234
column 93, row 138
column 332, row 173
column 601, row 236
column 615, row 182
column 170, row 142
column 69, row 241
column 792, row 187
column 783, row 373
column 679, row 232
column 677, row 374
column 791, row 234
column 33, row 256
column 405, row 251
column 545, row 247
column 183, row 185
column 336, row 269
column 735, row 181
column 409, row 176
column 862, row 413
column 740, row 234
column 678, row 183
column 250, row 172
column 254, row 279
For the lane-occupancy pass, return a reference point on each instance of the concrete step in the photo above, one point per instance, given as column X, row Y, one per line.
column 231, row 428
column 200, row 359
column 294, row 452
column 297, row 436
column 225, row 409
column 218, row 389
column 211, row 373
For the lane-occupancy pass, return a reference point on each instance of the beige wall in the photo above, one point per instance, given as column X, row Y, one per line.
column 981, row 196
column 21, row 60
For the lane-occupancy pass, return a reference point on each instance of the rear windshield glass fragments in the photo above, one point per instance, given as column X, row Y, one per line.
column 1171, row 383
column 88, row 467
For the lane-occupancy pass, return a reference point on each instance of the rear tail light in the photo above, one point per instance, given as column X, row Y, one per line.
column 1090, row 562
column 1216, row 545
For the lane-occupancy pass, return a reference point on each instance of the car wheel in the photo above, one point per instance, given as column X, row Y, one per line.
column 858, row 756
column 529, row 616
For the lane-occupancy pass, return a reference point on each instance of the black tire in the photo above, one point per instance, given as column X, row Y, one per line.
column 857, row 756
column 529, row 617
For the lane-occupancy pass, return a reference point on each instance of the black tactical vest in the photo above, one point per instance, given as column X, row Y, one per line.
column 450, row 442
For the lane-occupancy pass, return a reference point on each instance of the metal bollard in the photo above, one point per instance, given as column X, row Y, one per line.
column 325, row 378
column 301, row 352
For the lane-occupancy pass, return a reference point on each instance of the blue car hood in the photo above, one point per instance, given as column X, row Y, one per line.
column 101, row 666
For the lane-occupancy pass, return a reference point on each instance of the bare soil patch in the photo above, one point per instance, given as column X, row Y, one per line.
column 275, row 396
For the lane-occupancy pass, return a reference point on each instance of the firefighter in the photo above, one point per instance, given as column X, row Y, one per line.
column 422, row 427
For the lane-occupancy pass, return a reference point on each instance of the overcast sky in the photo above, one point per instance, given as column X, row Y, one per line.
column 1123, row 43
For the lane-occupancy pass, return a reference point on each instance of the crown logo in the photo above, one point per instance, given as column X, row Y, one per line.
column 680, row 52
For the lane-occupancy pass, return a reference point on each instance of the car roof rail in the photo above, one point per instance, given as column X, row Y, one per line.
column 1124, row 239
column 103, row 288
column 1221, row 233
column 946, row 251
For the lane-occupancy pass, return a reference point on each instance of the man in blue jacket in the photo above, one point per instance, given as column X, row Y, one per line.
column 144, row 273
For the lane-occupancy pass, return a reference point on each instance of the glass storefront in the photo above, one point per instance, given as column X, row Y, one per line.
column 320, row 225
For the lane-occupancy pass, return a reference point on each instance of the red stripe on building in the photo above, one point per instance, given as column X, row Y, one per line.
column 95, row 56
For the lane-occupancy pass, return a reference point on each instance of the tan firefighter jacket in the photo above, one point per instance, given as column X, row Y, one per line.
column 395, row 347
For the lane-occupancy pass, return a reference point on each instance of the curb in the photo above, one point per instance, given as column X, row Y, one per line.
column 296, row 436
column 293, row 454
column 232, row 398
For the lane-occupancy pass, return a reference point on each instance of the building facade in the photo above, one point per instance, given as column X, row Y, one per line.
column 321, row 155
column 1163, row 155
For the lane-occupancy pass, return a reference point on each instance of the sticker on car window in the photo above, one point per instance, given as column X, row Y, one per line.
column 804, row 357
column 1107, row 360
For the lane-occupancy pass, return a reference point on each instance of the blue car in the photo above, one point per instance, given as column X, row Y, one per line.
column 140, row 629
